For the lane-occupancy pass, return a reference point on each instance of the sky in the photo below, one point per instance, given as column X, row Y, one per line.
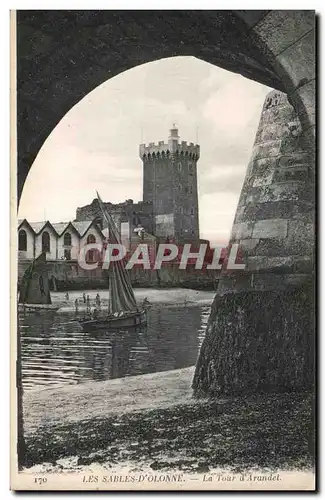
column 96, row 144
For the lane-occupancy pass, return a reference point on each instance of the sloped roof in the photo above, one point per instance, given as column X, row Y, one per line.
column 59, row 227
column 37, row 226
column 82, row 226
column 22, row 221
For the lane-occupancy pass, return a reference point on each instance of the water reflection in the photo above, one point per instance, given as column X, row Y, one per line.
column 56, row 351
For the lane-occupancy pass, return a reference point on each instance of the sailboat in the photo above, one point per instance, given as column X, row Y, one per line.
column 123, row 311
column 34, row 292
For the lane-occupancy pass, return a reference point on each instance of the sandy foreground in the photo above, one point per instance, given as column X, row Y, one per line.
column 75, row 403
column 152, row 422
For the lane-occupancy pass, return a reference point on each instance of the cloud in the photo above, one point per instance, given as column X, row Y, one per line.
column 222, row 178
column 217, row 212
column 231, row 114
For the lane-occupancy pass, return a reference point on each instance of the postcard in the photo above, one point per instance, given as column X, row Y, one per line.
column 163, row 239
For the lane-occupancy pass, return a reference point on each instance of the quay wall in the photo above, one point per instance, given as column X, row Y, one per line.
column 68, row 275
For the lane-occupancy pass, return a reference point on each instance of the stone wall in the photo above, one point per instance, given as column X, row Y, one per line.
column 258, row 342
column 70, row 276
column 127, row 211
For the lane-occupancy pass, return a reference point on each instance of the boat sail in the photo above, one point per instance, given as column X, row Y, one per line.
column 123, row 310
column 34, row 289
column 121, row 296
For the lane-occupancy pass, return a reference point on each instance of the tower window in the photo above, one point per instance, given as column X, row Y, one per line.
column 179, row 166
column 46, row 247
column 191, row 189
column 192, row 211
column 22, row 240
column 190, row 167
column 67, row 239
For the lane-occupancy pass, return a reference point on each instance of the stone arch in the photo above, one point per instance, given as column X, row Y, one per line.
column 272, row 47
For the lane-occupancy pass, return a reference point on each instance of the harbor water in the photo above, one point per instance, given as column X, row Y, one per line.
column 56, row 351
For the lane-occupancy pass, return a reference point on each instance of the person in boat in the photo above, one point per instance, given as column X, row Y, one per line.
column 88, row 303
column 118, row 314
column 76, row 304
column 140, row 231
column 95, row 313
column 84, row 297
column 98, row 301
column 67, row 296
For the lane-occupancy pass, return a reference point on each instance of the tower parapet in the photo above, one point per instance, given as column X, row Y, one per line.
column 172, row 148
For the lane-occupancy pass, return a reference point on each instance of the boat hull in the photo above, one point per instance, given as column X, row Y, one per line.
column 132, row 320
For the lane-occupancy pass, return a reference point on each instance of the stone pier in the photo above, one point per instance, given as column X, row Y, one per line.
column 260, row 332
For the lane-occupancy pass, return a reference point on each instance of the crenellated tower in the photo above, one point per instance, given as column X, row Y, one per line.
column 170, row 184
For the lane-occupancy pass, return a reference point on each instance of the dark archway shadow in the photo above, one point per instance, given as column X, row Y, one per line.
column 52, row 77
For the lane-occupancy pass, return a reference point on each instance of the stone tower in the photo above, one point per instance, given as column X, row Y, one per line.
column 170, row 184
column 260, row 334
